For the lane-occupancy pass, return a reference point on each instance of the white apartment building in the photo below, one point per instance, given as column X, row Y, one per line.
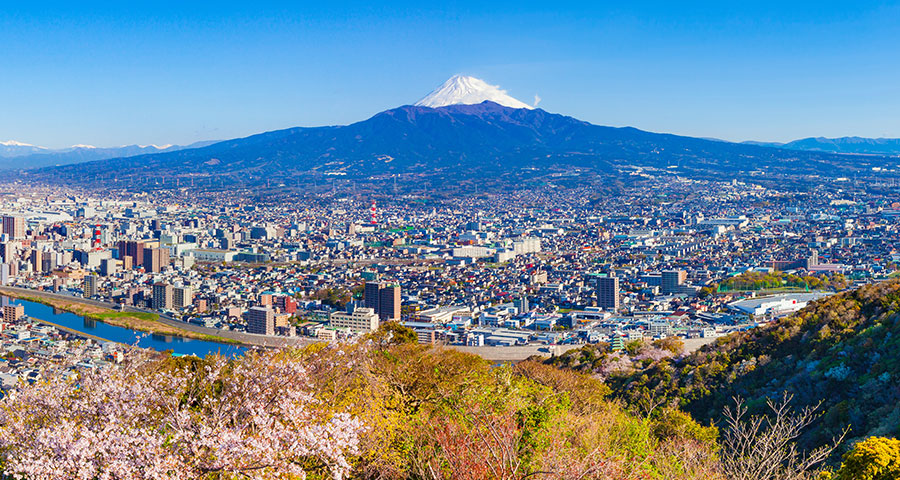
column 362, row 320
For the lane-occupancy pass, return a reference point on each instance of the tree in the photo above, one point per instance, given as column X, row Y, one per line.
column 393, row 333
column 875, row 458
column 764, row 446
column 150, row 419
column 672, row 344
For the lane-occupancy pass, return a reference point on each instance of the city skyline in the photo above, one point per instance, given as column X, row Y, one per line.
column 106, row 75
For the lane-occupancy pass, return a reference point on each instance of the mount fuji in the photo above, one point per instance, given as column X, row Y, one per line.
column 467, row 131
column 464, row 90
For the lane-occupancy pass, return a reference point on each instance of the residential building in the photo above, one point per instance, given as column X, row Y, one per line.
column 8, row 251
column 389, row 303
column 91, row 286
column 13, row 312
column 286, row 304
column 156, row 259
column 182, row 297
column 261, row 321
column 163, row 296
column 608, row 293
column 110, row 266
column 14, row 226
column 362, row 320
column 131, row 253
column 671, row 280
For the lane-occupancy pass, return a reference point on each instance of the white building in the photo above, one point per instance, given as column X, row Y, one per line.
column 213, row 255
column 472, row 252
column 776, row 304
column 362, row 320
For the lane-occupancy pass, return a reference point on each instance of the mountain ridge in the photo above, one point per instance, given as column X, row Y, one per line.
column 457, row 143
column 17, row 155
column 851, row 144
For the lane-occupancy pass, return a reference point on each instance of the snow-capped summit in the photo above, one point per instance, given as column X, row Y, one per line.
column 153, row 145
column 12, row 148
column 461, row 89
column 13, row 143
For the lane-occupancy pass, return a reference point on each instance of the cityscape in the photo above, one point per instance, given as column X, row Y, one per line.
column 678, row 258
column 459, row 241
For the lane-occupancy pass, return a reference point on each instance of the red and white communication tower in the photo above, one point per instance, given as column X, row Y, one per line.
column 372, row 211
column 95, row 244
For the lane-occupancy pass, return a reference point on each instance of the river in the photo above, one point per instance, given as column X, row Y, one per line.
column 178, row 345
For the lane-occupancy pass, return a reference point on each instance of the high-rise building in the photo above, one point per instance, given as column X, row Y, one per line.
column 14, row 226
column 671, row 280
column 182, row 297
column 261, row 320
column 35, row 261
column 389, row 303
column 163, row 296
column 7, row 251
column 608, row 293
column 4, row 274
column 42, row 262
column 133, row 250
column 155, row 259
column 91, row 286
column 384, row 299
column 370, row 295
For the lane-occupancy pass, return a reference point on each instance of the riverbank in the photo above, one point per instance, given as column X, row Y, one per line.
column 197, row 332
column 72, row 331
column 140, row 321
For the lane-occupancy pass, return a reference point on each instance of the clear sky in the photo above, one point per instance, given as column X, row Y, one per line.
column 122, row 73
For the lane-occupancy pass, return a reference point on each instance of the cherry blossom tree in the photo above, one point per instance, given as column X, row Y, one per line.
column 149, row 419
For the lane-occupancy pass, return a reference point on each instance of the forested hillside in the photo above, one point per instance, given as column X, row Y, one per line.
column 386, row 408
column 843, row 351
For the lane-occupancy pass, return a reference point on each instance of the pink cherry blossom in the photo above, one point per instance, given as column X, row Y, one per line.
column 254, row 417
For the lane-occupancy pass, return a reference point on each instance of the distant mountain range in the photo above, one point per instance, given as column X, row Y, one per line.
column 466, row 129
column 17, row 155
column 454, row 143
column 855, row 145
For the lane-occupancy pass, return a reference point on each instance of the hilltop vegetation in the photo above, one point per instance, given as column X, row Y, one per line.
column 387, row 408
column 384, row 408
column 779, row 280
column 841, row 351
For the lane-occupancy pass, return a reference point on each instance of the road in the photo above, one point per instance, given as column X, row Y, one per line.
column 519, row 353
column 499, row 354
column 516, row 353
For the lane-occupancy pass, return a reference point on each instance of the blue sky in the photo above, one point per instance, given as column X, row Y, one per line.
column 111, row 74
